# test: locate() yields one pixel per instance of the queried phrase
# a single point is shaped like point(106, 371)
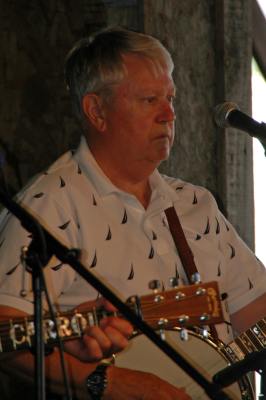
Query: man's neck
point(131, 183)
point(141, 190)
point(131, 179)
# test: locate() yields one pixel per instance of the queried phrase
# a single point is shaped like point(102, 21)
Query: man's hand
point(135, 385)
point(111, 336)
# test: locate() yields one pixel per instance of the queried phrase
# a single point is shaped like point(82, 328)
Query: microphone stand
point(71, 257)
point(252, 362)
point(39, 347)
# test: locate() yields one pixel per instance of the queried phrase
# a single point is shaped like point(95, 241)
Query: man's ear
point(93, 109)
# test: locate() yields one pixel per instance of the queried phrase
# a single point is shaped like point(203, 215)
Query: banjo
point(174, 310)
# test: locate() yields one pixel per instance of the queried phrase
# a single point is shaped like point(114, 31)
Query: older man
point(108, 199)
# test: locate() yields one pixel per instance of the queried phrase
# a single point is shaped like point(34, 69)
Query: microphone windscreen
point(221, 112)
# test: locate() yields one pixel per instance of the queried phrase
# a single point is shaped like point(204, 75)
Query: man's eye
point(171, 98)
point(150, 99)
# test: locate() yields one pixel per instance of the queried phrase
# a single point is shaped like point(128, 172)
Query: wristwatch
point(97, 382)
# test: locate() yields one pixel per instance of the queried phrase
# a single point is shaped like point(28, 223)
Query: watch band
point(97, 382)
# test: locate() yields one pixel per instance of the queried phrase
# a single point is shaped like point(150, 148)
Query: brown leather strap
point(185, 254)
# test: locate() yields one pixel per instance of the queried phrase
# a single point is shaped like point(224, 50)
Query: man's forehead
point(158, 86)
point(135, 62)
point(140, 70)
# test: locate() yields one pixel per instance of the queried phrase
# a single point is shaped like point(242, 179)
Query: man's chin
point(164, 153)
point(160, 157)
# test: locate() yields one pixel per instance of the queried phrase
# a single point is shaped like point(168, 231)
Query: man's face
point(140, 116)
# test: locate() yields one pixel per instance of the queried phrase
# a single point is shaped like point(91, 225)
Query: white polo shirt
point(124, 244)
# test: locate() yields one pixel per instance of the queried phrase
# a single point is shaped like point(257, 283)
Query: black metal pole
point(39, 359)
point(32, 260)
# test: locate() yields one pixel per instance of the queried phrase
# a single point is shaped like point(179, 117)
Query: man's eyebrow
point(149, 89)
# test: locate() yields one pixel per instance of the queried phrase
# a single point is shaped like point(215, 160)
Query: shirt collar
point(91, 168)
point(104, 186)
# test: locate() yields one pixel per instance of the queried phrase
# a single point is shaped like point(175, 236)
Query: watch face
point(97, 382)
point(96, 379)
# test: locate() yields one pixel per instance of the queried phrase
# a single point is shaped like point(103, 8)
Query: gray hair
point(95, 64)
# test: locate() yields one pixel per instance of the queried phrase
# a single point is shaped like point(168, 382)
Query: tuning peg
point(182, 319)
point(204, 317)
point(158, 298)
point(180, 295)
point(173, 282)
point(204, 331)
point(135, 302)
point(162, 334)
point(155, 285)
point(200, 291)
point(162, 323)
point(23, 252)
point(184, 334)
point(195, 278)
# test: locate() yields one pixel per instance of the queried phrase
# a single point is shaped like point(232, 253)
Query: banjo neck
point(184, 306)
point(254, 339)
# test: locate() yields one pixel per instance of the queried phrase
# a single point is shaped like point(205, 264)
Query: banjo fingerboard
point(254, 339)
point(19, 334)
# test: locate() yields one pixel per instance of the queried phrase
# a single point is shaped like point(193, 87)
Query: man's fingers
point(121, 325)
point(102, 339)
point(111, 335)
point(119, 342)
point(97, 342)
point(86, 349)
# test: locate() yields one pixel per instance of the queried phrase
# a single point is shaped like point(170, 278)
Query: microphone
point(252, 362)
point(228, 114)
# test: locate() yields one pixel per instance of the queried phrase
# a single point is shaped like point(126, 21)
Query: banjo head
point(207, 357)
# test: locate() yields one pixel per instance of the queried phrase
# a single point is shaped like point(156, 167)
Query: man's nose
point(167, 113)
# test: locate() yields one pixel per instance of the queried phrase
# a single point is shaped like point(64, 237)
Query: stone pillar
point(211, 45)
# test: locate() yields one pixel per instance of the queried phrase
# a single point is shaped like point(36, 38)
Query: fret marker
point(63, 326)
point(17, 334)
point(78, 323)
